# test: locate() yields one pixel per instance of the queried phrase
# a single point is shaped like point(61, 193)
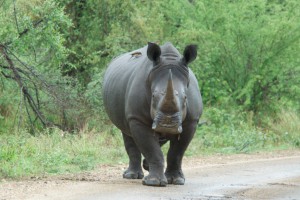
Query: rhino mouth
point(167, 123)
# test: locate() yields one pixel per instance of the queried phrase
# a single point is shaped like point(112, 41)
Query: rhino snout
point(170, 124)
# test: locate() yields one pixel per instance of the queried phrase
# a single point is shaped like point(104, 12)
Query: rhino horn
point(169, 101)
point(170, 89)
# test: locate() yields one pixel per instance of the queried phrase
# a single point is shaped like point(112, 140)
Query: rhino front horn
point(169, 103)
point(170, 88)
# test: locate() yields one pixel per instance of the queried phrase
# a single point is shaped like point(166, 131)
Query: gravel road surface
point(272, 175)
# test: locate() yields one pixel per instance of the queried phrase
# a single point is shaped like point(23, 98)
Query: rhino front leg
point(176, 151)
point(134, 171)
point(162, 141)
point(148, 144)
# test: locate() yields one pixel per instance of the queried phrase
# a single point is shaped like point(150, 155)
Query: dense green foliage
point(53, 54)
point(248, 51)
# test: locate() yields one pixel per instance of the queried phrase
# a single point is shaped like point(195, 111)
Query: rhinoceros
point(152, 96)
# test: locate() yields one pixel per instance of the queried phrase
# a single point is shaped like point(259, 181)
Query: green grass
point(235, 132)
point(55, 152)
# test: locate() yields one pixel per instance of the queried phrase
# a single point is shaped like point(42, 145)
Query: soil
point(272, 175)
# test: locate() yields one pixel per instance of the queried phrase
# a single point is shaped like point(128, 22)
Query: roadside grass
point(55, 152)
point(234, 132)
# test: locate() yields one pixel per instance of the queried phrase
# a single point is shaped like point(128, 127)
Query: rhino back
point(123, 74)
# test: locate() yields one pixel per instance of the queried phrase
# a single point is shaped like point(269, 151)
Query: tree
point(249, 52)
point(32, 52)
point(55, 51)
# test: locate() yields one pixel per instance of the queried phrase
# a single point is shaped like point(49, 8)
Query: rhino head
point(169, 80)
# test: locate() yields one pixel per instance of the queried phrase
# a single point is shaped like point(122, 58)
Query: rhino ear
point(153, 52)
point(189, 54)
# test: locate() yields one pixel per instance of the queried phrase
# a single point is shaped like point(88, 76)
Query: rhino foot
point(129, 174)
point(175, 177)
point(155, 181)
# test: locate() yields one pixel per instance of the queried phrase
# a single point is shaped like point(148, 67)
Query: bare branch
point(34, 26)
point(17, 78)
point(26, 30)
point(7, 76)
point(15, 15)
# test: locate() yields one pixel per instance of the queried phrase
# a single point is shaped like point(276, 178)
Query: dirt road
point(274, 175)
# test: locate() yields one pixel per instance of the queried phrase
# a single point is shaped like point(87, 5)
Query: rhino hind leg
point(145, 165)
point(134, 171)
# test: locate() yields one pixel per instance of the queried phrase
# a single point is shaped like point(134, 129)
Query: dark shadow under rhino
point(154, 98)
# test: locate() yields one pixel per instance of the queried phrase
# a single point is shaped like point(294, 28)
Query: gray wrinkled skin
point(153, 97)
